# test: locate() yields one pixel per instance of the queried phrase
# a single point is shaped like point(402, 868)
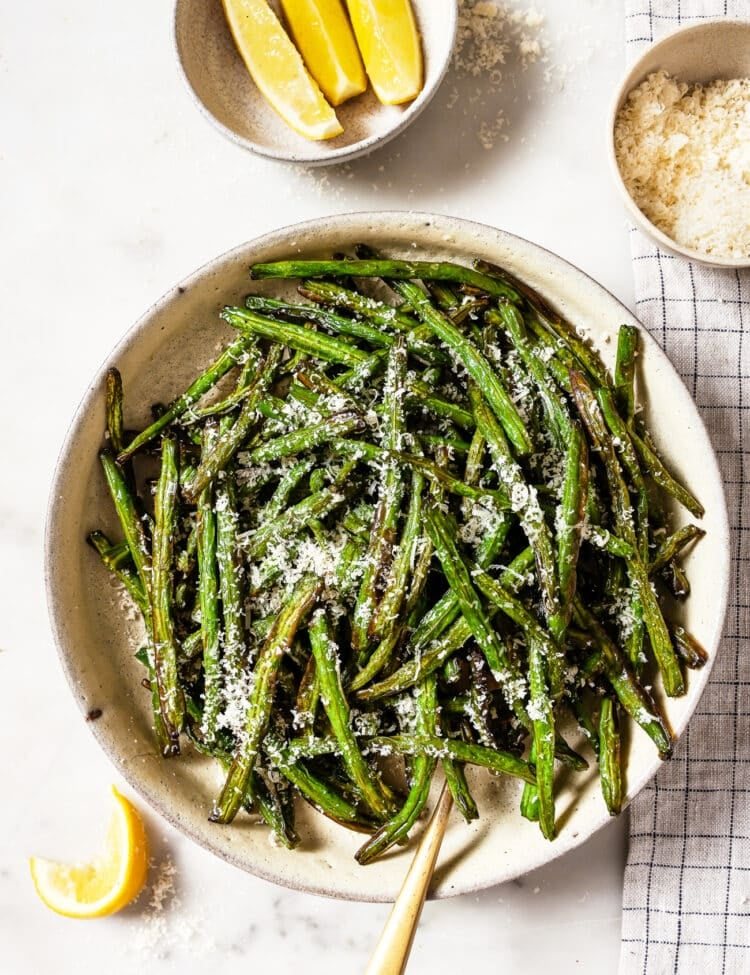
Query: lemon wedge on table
point(107, 884)
point(323, 35)
point(278, 70)
point(388, 39)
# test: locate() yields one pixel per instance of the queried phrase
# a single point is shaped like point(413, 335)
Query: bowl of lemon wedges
point(313, 81)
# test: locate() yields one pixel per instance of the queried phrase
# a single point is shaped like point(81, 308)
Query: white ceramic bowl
point(226, 94)
point(697, 54)
point(157, 358)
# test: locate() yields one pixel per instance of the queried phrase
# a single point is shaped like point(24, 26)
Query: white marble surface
point(112, 188)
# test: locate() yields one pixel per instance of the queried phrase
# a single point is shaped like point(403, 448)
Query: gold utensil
point(392, 951)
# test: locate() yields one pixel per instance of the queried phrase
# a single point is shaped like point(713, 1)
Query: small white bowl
point(223, 90)
point(697, 54)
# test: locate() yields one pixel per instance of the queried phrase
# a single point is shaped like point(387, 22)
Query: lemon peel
point(106, 884)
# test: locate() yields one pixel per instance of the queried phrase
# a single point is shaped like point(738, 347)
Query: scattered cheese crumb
point(491, 33)
point(165, 926)
point(162, 898)
point(492, 36)
point(684, 155)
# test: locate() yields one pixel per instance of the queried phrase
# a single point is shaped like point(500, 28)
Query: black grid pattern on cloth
point(686, 897)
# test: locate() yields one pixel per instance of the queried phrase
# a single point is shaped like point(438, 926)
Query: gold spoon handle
point(392, 951)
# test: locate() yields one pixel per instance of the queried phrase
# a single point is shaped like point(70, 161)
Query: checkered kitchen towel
point(686, 899)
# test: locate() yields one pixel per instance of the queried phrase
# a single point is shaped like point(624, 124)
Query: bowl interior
point(97, 635)
point(226, 93)
point(699, 53)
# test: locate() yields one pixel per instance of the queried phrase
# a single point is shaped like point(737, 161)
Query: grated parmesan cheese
point(684, 155)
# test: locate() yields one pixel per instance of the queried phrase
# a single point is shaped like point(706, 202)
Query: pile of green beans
point(408, 515)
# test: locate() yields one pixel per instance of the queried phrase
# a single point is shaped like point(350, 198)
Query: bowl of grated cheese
point(679, 142)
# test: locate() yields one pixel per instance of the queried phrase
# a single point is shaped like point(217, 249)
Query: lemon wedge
point(106, 884)
point(278, 70)
point(388, 40)
point(323, 35)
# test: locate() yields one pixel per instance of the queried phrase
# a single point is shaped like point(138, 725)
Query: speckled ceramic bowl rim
point(633, 76)
point(345, 153)
point(283, 236)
